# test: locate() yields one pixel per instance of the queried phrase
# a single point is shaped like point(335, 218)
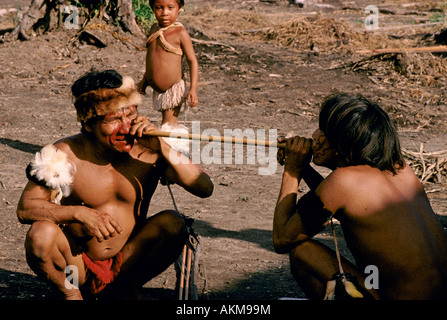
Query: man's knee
point(40, 238)
point(172, 224)
point(302, 258)
point(313, 258)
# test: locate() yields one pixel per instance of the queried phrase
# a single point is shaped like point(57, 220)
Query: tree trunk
point(127, 17)
point(39, 13)
point(28, 20)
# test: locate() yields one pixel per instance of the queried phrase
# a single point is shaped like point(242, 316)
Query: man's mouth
point(129, 139)
point(124, 142)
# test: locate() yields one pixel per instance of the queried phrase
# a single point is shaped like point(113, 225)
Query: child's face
point(166, 11)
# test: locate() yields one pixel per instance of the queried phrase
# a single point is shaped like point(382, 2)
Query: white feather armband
point(50, 168)
point(182, 145)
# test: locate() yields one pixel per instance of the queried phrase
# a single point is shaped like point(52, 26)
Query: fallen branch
point(404, 50)
point(212, 43)
point(427, 165)
point(426, 154)
point(405, 26)
point(418, 128)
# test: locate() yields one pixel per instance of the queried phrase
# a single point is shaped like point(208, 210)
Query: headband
point(105, 100)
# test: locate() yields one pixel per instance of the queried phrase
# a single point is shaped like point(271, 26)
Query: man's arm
point(192, 177)
point(312, 177)
point(180, 169)
point(35, 205)
point(287, 225)
point(288, 228)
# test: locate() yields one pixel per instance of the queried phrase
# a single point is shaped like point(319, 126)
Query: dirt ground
point(263, 65)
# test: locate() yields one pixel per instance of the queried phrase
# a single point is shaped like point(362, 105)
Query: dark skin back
point(387, 221)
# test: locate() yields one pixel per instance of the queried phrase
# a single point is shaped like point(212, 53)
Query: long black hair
point(361, 132)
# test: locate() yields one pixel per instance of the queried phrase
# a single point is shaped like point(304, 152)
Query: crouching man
point(382, 207)
point(88, 196)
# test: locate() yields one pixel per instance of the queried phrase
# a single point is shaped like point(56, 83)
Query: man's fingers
point(141, 127)
point(110, 228)
point(116, 226)
point(98, 235)
point(140, 119)
point(105, 233)
point(289, 143)
point(300, 143)
point(134, 130)
point(105, 228)
point(140, 130)
point(308, 144)
point(111, 231)
point(292, 144)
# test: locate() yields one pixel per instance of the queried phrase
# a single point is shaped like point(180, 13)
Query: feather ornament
point(52, 169)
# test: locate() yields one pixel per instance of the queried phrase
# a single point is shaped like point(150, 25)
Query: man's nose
point(125, 126)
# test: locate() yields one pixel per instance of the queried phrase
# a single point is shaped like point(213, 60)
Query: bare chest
point(112, 186)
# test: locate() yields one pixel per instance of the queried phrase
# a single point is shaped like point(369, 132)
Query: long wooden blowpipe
point(201, 137)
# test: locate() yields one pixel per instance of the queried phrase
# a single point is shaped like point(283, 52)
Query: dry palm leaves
point(423, 68)
point(302, 33)
point(413, 74)
point(328, 34)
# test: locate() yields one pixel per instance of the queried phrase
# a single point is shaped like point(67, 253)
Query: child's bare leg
point(170, 116)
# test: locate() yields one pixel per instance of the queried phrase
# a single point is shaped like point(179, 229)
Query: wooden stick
point(397, 50)
point(438, 170)
point(188, 271)
point(194, 269)
point(194, 136)
point(405, 26)
point(182, 273)
point(212, 43)
point(428, 154)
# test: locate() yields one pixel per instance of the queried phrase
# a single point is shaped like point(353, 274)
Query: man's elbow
point(283, 244)
point(25, 210)
point(206, 191)
point(280, 245)
point(21, 215)
point(203, 187)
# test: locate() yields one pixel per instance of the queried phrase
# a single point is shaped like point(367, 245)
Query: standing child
point(166, 45)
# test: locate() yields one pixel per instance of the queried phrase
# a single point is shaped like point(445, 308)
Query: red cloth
point(102, 272)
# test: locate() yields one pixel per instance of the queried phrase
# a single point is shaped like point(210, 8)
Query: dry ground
point(263, 65)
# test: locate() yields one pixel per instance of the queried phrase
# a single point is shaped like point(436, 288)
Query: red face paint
point(120, 138)
point(116, 127)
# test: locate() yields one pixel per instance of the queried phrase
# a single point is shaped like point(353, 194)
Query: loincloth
point(172, 98)
point(101, 273)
